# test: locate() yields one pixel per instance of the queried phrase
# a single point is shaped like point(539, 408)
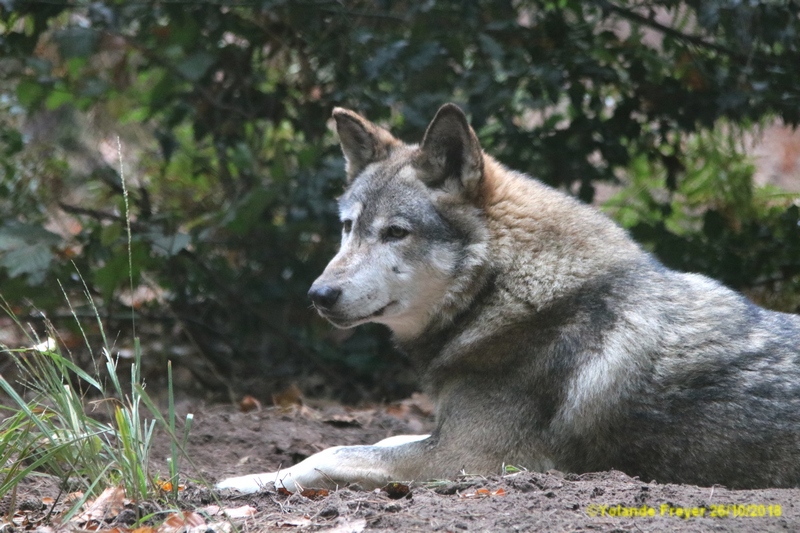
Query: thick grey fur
point(557, 342)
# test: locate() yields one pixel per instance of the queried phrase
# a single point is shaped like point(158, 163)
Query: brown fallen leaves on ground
point(483, 493)
point(104, 513)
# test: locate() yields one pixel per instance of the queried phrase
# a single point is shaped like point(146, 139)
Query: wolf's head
point(414, 241)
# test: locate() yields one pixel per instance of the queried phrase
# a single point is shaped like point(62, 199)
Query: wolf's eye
point(395, 233)
point(347, 225)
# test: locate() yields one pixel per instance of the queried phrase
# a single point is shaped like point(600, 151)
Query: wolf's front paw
point(248, 484)
point(317, 471)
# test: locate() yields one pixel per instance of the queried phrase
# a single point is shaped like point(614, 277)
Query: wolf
point(546, 336)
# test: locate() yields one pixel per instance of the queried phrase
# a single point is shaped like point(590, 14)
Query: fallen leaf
point(288, 398)
point(249, 403)
point(166, 486)
point(179, 521)
point(482, 493)
point(104, 508)
point(314, 494)
point(283, 492)
point(73, 497)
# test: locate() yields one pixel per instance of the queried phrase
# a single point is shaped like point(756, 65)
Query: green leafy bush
point(715, 220)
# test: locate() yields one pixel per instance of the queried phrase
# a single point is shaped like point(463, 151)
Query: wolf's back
point(711, 389)
point(615, 361)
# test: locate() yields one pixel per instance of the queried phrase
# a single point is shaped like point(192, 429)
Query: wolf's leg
point(394, 458)
point(400, 439)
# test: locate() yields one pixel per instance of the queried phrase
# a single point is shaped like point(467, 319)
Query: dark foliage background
point(223, 107)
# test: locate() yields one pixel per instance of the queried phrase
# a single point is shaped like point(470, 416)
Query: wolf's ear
point(362, 141)
point(451, 151)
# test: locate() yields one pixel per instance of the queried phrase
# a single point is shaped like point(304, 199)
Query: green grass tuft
point(48, 430)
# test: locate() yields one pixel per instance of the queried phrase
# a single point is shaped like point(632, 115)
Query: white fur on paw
point(397, 440)
point(312, 473)
point(248, 484)
point(309, 473)
point(327, 469)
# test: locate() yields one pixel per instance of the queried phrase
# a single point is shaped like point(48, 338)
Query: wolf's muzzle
point(324, 296)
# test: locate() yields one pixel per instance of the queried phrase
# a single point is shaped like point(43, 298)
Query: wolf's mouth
point(380, 311)
point(347, 322)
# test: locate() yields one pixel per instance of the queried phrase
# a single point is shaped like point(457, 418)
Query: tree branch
point(96, 214)
point(632, 16)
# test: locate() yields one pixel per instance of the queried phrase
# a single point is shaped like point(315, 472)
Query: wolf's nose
point(324, 296)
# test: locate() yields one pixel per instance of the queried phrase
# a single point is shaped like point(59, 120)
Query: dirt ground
point(227, 442)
